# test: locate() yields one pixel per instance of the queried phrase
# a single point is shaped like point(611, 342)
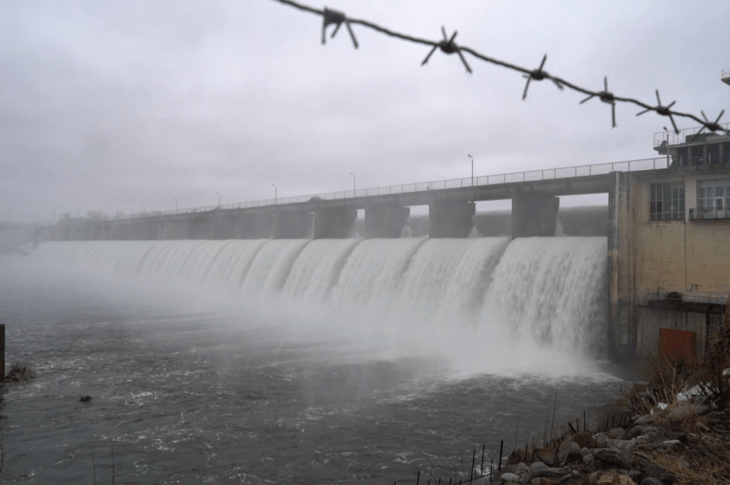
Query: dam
point(665, 247)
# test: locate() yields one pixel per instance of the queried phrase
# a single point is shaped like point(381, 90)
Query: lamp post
point(472, 169)
point(219, 199)
point(275, 197)
point(665, 129)
point(354, 188)
point(175, 204)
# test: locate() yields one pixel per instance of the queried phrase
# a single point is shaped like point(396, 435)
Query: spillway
point(549, 289)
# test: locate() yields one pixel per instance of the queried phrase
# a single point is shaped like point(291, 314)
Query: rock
point(85, 399)
point(651, 481)
point(509, 478)
point(642, 420)
point(611, 458)
point(549, 472)
point(600, 439)
point(19, 373)
point(636, 431)
point(516, 457)
point(572, 455)
point(542, 481)
point(521, 469)
point(612, 477)
point(584, 439)
point(635, 475)
point(625, 445)
point(548, 456)
point(616, 433)
point(671, 444)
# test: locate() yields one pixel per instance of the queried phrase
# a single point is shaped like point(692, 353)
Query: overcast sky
point(124, 105)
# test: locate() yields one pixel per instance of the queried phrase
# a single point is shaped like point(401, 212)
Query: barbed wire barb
point(538, 75)
point(337, 18)
point(448, 46)
point(713, 126)
point(662, 110)
point(607, 97)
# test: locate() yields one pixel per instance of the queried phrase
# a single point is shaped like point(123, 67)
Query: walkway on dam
point(576, 180)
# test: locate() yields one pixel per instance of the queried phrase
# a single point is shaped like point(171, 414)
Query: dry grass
point(706, 459)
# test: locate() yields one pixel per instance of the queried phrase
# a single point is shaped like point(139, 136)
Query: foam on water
point(421, 294)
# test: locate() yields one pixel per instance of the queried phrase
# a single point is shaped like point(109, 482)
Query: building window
point(666, 202)
point(713, 198)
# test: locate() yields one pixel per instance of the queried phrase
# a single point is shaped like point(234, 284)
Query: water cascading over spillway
point(549, 289)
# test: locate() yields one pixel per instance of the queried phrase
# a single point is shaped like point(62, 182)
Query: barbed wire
point(448, 46)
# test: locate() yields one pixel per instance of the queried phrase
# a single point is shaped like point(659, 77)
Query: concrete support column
point(334, 222)
point(534, 215)
point(290, 224)
point(385, 220)
point(254, 225)
point(199, 226)
point(175, 228)
point(450, 218)
point(622, 313)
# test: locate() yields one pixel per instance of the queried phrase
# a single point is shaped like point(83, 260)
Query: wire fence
point(448, 46)
point(479, 181)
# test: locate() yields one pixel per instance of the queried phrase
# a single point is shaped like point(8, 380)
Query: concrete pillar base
point(385, 220)
point(450, 218)
point(290, 225)
point(534, 215)
point(334, 223)
point(256, 225)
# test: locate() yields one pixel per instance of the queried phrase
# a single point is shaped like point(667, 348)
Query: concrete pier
point(534, 215)
point(385, 220)
point(254, 225)
point(450, 218)
point(334, 222)
point(290, 224)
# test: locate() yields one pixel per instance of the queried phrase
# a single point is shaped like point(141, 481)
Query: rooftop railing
point(685, 135)
point(483, 180)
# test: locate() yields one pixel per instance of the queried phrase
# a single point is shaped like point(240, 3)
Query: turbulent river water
point(296, 361)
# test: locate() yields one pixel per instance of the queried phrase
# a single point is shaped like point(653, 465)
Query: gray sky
point(119, 105)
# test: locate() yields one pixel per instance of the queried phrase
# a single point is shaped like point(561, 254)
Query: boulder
point(611, 477)
point(19, 373)
point(572, 455)
point(616, 433)
point(584, 439)
point(608, 458)
point(509, 478)
point(548, 456)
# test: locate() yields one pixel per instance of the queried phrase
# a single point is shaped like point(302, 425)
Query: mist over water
point(329, 331)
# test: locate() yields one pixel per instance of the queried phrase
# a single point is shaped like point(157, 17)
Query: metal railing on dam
point(482, 180)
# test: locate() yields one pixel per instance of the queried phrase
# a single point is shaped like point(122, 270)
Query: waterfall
point(549, 289)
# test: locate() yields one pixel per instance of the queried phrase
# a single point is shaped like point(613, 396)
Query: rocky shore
point(678, 443)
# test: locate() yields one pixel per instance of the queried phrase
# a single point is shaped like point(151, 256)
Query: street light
point(219, 199)
point(354, 189)
point(275, 197)
point(472, 169)
point(175, 204)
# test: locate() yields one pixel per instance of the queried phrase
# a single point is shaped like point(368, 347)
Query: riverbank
point(673, 428)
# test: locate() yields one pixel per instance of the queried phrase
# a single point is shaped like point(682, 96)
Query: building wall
point(691, 257)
